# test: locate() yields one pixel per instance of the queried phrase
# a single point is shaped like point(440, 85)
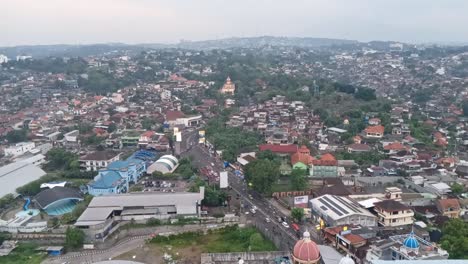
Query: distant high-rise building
point(3, 59)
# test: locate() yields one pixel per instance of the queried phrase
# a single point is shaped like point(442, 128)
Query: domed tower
point(306, 251)
point(411, 243)
point(346, 260)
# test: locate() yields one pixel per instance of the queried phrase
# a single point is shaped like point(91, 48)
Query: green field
point(229, 239)
point(24, 254)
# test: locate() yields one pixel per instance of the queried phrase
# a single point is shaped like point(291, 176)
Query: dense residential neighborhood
point(343, 153)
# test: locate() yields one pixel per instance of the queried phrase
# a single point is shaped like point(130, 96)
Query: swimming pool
point(29, 212)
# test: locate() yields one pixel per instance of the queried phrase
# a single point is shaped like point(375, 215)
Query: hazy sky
point(148, 21)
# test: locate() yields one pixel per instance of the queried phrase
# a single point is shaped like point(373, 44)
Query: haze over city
point(29, 22)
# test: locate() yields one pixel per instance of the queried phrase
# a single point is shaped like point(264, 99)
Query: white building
point(165, 164)
point(104, 212)
point(340, 210)
point(19, 149)
point(23, 57)
point(98, 160)
point(71, 136)
point(3, 59)
point(165, 95)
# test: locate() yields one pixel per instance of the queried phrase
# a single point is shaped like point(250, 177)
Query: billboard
point(223, 180)
point(301, 201)
point(201, 140)
point(201, 133)
point(178, 136)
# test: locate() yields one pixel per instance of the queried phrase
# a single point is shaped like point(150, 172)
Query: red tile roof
point(284, 149)
point(395, 146)
point(326, 160)
point(375, 129)
point(173, 115)
point(445, 204)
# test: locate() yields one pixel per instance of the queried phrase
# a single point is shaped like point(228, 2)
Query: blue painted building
point(108, 182)
point(119, 174)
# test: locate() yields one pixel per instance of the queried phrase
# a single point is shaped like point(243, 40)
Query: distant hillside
point(38, 51)
point(254, 42)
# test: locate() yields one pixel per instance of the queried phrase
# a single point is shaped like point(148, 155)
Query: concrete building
point(19, 149)
point(404, 247)
point(338, 210)
point(98, 160)
point(449, 207)
point(108, 182)
point(105, 212)
point(393, 213)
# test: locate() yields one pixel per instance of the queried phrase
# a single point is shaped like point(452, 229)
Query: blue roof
point(119, 164)
point(411, 241)
point(143, 155)
point(106, 179)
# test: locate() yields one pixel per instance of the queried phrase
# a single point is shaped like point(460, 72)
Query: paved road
point(249, 198)
point(99, 255)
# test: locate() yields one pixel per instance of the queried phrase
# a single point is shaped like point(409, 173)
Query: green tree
point(455, 239)
point(74, 238)
point(465, 108)
point(298, 180)
point(297, 214)
point(59, 158)
point(267, 154)
point(457, 188)
point(16, 136)
point(261, 174)
point(365, 94)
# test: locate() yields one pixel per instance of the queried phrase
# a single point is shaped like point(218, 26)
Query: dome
point(306, 251)
point(411, 242)
point(346, 260)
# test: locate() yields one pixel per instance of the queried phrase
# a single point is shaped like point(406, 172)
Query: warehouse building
point(338, 210)
point(18, 174)
point(105, 212)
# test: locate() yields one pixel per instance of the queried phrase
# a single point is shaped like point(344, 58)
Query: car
point(246, 212)
point(254, 207)
point(280, 220)
point(267, 220)
point(253, 211)
point(285, 224)
point(250, 196)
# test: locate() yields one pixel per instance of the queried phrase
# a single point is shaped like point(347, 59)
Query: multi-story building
point(449, 207)
point(19, 149)
point(393, 213)
point(98, 160)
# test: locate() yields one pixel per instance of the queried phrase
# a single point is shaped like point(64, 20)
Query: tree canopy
point(455, 239)
point(298, 179)
point(60, 159)
point(261, 174)
point(74, 238)
point(297, 214)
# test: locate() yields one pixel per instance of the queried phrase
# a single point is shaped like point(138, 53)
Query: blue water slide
point(26, 204)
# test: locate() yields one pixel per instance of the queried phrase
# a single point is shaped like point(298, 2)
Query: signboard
point(301, 201)
point(178, 136)
point(201, 133)
point(201, 141)
point(223, 179)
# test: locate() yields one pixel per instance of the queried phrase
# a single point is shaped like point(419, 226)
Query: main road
point(201, 157)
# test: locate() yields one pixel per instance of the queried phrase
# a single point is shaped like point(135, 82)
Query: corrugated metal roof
point(17, 174)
